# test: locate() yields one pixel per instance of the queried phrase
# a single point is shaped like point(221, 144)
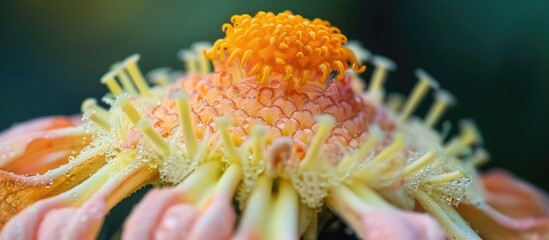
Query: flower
point(284, 129)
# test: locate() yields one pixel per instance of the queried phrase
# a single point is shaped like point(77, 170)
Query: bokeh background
point(492, 55)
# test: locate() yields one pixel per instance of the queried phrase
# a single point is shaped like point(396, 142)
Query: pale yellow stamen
point(443, 100)
point(223, 124)
point(258, 139)
point(383, 65)
point(347, 204)
point(135, 73)
point(160, 77)
point(469, 135)
point(284, 214)
point(229, 180)
point(129, 110)
point(369, 172)
point(326, 123)
point(145, 126)
point(202, 178)
point(97, 119)
point(395, 101)
point(85, 190)
point(205, 149)
point(454, 226)
point(203, 63)
point(396, 146)
point(139, 176)
point(189, 59)
point(258, 206)
point(418, 164)
point(124, 79)
point(350, 161)
point(445, 177)
point(90, 104)
point(109, 80)
point(185, 121)
point(368, 195)
point(425, 82)
point(481, 157)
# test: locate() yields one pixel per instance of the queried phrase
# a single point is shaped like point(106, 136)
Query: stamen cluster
point(298, 48)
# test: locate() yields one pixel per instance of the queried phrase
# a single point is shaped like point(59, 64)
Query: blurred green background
point(492, 55)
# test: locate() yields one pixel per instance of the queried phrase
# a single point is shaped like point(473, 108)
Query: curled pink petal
point(39, 124)
point(513, 196)
point(142, 222)
point(382, 224)
point(86, 221)
point(51, 227)
point(177, 222)
point(491, 224)
point(26, 224)
point(514, 209)
point(54, 218)
point(218, 215)
point(40, 145)
point(74, 223)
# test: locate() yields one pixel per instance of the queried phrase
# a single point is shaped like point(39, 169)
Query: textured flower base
point(280, 136)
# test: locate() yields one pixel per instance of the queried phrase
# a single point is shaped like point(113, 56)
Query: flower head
point(282, 127)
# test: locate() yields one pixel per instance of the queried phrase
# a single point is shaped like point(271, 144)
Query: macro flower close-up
point(283, 128)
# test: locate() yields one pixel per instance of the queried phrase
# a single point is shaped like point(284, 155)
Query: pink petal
point(383, 224)
point(491, 224)
point(39, 124)
point(26, 224)
point(513, 196)
point(142, 222)
point(218, 215)
point(51, 228)
point(74, 223)
point(177, 222)
point(20, 191)
point(53, 218)
point(514, 209)
point(40, 145)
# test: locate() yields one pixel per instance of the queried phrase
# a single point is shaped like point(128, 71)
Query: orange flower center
point(302, 50)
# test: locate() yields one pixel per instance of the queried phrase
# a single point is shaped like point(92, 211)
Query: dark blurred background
point(492, 55)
